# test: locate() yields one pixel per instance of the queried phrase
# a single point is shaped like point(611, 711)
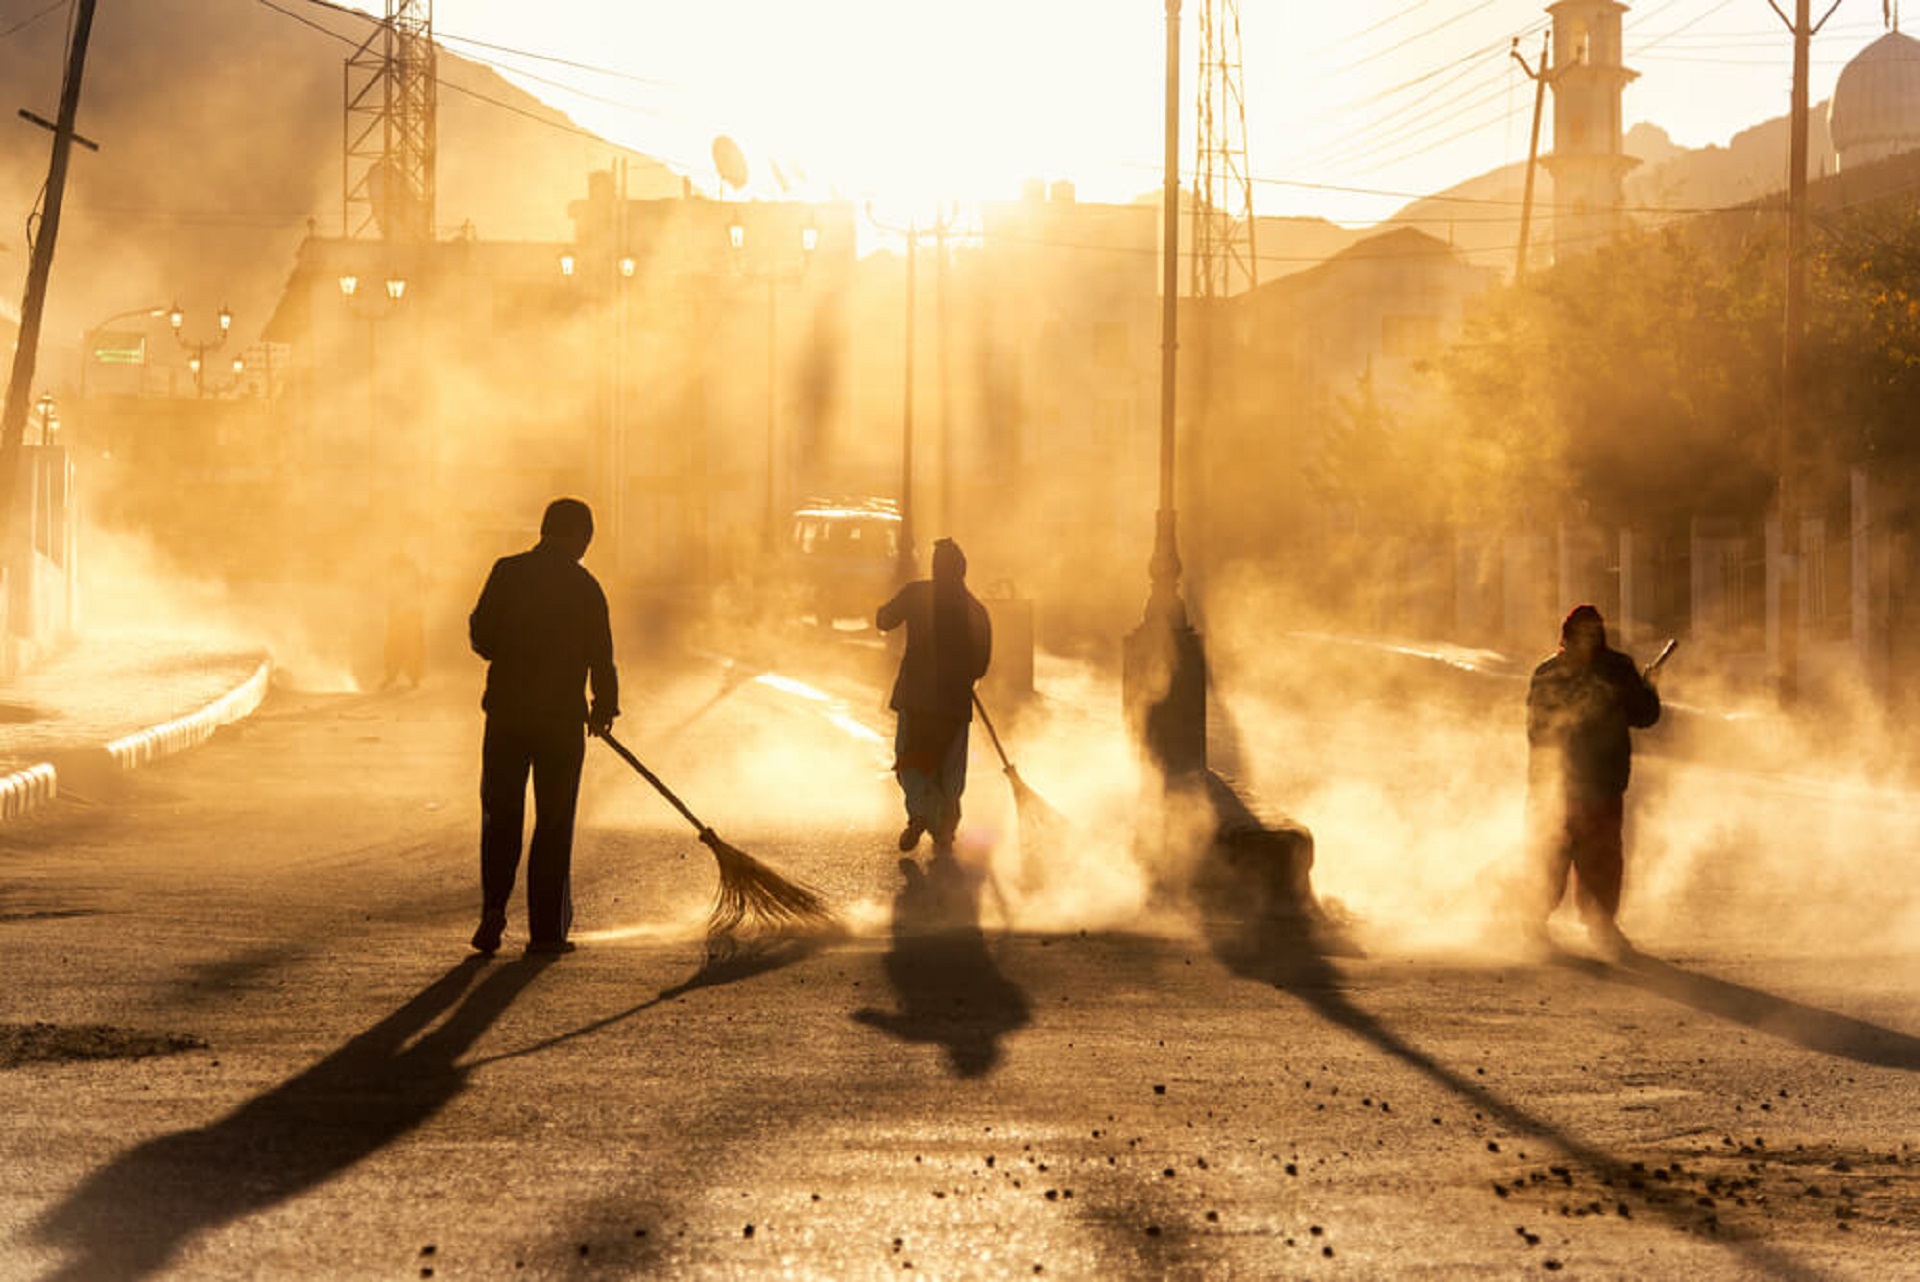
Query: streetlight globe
point(193, 363)
point(396, 287)
point(176, 317)
point(737, 235)
point(566, 264)
point(226, 320)
point(239, 365)
point(627, 266)
point(348, 284)
point(809, 238)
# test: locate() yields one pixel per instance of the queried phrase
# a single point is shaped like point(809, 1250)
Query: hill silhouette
point(1481, 216)
point(219, 124)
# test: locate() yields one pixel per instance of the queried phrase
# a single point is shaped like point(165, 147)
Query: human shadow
point(1810, 1027)
point(747, 959)
point(1287, 952)
point(129, 1218)
point(950, 991)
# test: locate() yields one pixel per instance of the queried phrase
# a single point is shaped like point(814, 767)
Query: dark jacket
point(949, 644)
point(1578, 718)
point(541, 625)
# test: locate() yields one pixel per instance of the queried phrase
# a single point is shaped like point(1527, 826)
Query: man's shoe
point(550, 946)
point(1609, 942)
point(910, 835)
point(486, 939)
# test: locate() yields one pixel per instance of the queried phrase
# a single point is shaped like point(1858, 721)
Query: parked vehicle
point(845, 558)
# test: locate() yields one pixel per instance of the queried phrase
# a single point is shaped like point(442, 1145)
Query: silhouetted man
point(1581, 704)
point(949, 644)
point(541, 625)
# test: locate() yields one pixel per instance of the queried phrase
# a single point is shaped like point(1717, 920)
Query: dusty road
point(244, 1039)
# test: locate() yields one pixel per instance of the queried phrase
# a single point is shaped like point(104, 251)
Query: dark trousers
point(1588, 841)
point(552, 753)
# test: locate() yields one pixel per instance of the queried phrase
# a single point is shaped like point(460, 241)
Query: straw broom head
point(753, 899)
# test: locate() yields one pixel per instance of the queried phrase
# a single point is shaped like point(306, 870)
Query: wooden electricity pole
point(1793, 354)
point(13, 420)
point(1541, 76)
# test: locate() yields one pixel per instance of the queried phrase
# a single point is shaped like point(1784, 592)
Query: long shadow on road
point(1286, 954)
point(951, 992)
point(750, 958)
point(1806, 1026)
point(129, 1218)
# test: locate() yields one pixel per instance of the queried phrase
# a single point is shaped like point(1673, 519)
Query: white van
point(845, 557)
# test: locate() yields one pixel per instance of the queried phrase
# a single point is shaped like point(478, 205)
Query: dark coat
point(1578, 718)
point(949, 644)
point(541, 625)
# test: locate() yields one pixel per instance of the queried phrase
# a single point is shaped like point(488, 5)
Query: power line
point(1418, 36)
point(24, 23)
point(561, 126)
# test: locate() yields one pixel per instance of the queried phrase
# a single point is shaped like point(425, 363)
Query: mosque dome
point(1875, 110)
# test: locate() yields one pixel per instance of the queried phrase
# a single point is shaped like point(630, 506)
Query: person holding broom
point(541, 624)
point(949, 644)
point(1581, 704)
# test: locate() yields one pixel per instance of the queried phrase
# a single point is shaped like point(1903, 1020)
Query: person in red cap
point(1581, 705)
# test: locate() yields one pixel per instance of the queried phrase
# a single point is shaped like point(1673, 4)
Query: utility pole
point(1164, 674)
point(905, 562)
point(1793, 354)
point(13, 421)
point(1541, 77)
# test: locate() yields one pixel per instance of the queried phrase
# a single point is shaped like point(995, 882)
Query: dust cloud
point(126, 585)
point(1379, 543)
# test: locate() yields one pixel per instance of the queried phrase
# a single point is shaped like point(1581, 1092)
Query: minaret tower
point(1588, 164)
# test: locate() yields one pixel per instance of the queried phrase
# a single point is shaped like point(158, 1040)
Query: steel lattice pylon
point(1223, 239)
point(387, 171)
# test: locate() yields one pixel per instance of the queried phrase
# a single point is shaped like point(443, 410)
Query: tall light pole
point(177, 320)
point(770, 273)
point(373, 312)
point(49, 417)
point(913, 231)
point(1164, 679)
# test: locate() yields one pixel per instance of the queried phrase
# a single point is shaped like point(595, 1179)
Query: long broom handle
point(988, 722)
point(1653, 669)
point(654, 779)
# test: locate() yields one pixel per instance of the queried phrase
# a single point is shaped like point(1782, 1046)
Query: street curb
point(28, 789)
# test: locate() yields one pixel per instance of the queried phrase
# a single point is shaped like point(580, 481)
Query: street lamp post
point(771, 274)
point(1164, 681)
point(177, 320)
point(912, 231)
point(49, 417)
point(372, 313)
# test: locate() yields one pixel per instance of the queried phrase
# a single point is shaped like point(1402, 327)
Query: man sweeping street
point(541, 624)
point(949, 644)
point(1581, 705)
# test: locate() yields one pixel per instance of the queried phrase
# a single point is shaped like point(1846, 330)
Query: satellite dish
point(730, 161)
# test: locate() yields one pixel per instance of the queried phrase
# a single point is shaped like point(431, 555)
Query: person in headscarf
point(1581, 705)
point(949, 645)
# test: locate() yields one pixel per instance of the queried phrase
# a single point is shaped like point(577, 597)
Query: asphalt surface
point(245, 1038)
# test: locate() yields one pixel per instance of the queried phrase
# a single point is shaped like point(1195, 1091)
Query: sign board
point(123, 347)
